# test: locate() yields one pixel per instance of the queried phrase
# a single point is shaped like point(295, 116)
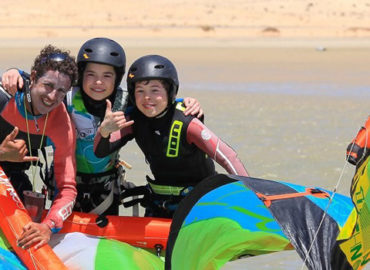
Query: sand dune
point(183, 22)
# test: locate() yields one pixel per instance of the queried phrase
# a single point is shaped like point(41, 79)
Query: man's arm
point(63, 136)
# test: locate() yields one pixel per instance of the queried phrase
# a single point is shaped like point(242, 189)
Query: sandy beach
point(186, 23)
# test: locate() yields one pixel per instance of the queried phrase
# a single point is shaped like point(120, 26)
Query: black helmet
point(102, 51)
point(151, 67)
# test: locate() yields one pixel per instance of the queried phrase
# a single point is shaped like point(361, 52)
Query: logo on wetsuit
point(174, 139)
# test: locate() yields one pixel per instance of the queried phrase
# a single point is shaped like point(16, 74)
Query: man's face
point(49, 91)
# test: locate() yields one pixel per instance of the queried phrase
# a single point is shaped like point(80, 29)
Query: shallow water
point(289, 113)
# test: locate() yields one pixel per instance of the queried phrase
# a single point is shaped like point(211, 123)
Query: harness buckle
point(164, 205)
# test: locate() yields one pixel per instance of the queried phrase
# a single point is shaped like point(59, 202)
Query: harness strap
point(166, 190)
point(134, 192)
point(95, 178)
point(267, 199)
point(104, 205)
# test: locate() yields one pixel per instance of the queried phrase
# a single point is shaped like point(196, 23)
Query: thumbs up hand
point(14, 150)
point(113, 121)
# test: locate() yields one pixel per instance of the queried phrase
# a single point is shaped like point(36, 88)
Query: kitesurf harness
point(96, 191)
point(160, 199)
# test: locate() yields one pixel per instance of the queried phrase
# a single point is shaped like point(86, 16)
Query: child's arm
point(103, 146)
point(12, 80)
point(215, 148)
point(114, 132)
point(113, 121)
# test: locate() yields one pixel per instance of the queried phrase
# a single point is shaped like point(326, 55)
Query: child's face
point(151, 97)
point(98, 80)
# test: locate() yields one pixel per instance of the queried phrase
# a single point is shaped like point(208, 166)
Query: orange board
point(144, 232)
point(13, 217)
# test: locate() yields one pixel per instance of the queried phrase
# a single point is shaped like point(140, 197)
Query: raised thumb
point(13, 134)
point(109, 106)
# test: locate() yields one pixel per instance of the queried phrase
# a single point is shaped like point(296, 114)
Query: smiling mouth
point(97, 90)
point(148, 106)
point(47, 103)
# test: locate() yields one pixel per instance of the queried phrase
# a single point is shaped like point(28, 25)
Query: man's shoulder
point(60, 127)
point(60, 113)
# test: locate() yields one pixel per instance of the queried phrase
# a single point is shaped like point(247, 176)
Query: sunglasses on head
point(57, 57)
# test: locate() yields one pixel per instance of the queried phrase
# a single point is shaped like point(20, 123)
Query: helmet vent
point(133, 69)
point(159, 66)
point(114, 54)
point(88, 50)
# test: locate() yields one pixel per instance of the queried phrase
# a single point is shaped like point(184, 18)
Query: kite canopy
point(226, 217)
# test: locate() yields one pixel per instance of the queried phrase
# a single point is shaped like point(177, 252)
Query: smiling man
point(35, 121)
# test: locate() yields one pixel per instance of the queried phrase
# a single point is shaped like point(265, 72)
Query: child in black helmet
point(101, 66)
point(178, 148)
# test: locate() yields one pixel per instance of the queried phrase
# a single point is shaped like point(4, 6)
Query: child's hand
point(113, 121)
point(192, 107)
point(11, 80)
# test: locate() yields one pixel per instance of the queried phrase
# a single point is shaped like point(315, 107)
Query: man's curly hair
point(52, 58)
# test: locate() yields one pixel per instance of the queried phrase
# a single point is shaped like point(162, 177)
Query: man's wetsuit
point(58, 141)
